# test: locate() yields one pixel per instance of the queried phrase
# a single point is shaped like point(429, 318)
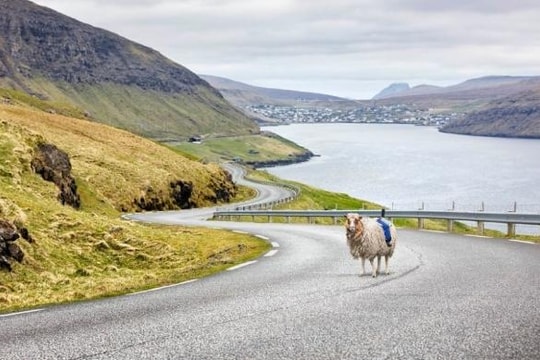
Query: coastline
point(306, 156)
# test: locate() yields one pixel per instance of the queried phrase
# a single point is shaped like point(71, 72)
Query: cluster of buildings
point(374, 113)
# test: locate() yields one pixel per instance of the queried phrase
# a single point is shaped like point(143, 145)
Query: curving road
point(447, 297)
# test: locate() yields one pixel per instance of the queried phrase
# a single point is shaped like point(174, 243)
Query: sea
point(407, 167)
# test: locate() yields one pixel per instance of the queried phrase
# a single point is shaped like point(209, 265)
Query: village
point(397, 114)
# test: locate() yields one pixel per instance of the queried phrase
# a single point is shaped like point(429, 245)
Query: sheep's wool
point(368, 241)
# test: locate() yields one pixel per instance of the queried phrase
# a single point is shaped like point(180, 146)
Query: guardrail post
point(480, 227)
point(420, 223)
point(450, 225)
point(511, 230)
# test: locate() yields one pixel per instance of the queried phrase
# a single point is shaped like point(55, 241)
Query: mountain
point(242, 94)
point(111, 79)
point(392, 90)
point(470, 91)
point(506, 106)
point(245, 97)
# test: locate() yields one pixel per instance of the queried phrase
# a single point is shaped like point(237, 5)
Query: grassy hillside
point(249, 149)
point(91, 252)
point(150, 113)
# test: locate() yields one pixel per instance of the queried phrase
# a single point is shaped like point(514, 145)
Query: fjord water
point(405, 166)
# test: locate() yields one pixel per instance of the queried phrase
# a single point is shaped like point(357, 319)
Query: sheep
point(366, 240)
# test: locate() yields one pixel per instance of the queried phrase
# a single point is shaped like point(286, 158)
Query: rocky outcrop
point(179, 195)
point(53, 165)
point(8, 248)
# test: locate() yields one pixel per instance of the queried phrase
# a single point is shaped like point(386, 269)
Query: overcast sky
point(349, 48)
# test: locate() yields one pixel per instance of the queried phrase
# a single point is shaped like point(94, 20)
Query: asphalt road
point(447, 297)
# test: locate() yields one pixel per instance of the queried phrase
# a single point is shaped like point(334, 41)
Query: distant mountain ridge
point(488, 106)
point(242, 94)
point(392, 90)
point(515, 115)
point(503, 106)
point(116, 81)
point(483, 87)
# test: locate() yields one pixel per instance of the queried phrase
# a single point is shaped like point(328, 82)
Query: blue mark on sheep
point(386, 229)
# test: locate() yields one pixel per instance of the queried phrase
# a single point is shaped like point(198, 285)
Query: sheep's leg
point(379, 261)
point(373, 268)
point(386, 260)
point(363, 266)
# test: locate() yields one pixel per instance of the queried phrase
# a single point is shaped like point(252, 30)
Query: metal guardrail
point(269, 204)
point(511, 219)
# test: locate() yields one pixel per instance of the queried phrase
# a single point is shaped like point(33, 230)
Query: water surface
point(405, 166)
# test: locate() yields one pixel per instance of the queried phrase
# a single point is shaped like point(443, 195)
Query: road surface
point(447, 297)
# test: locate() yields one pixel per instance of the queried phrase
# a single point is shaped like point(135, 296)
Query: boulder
point(53, 165)
point(8, 248)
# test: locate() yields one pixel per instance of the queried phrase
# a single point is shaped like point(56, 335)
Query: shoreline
point(272, 163)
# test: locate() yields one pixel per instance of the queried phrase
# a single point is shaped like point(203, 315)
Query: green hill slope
point(90, 252)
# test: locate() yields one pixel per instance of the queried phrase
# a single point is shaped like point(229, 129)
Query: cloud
point(344, 47)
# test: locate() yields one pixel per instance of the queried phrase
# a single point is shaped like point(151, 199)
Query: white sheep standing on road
point(366, 239)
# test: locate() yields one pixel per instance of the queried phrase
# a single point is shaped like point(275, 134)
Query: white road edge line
point(262, 237)
point(21, 313)
point(271, 253)
point(162, 287)
point(241, 265)
point(239, 232)
point(523, 241)
point(275, 244)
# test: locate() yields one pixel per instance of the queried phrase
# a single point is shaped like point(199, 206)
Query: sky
point(347, 48)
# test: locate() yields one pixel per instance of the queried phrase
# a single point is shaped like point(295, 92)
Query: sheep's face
point(353, 223)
